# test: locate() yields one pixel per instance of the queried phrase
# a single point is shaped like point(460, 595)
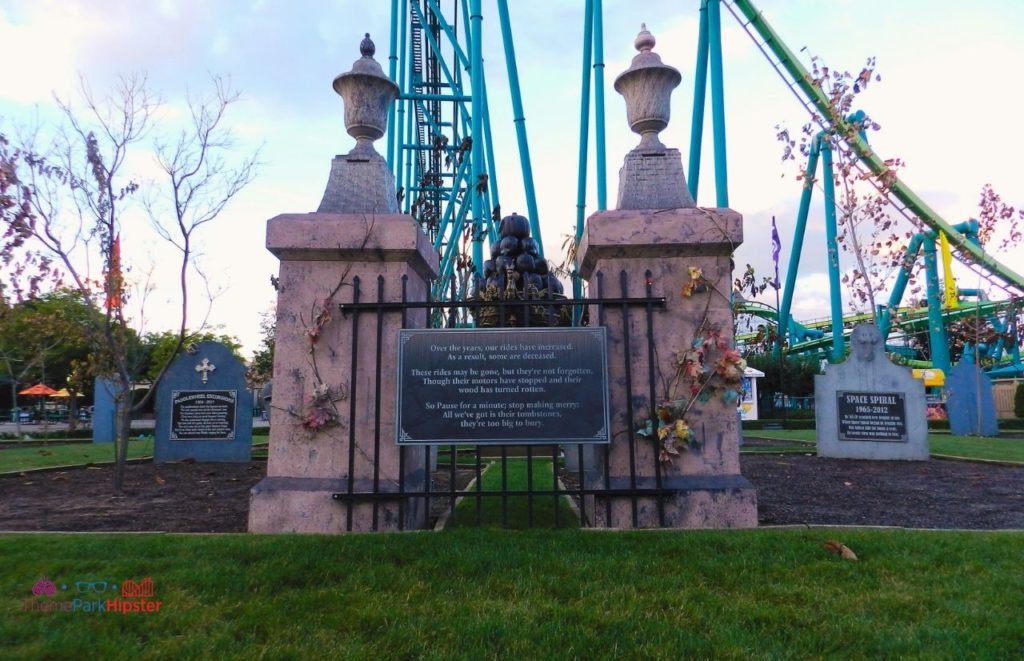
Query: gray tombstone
point(868, 408)
point(972, 411)
point(104, 408)
point(204, 408)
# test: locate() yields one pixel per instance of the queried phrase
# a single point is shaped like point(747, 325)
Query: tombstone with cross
point(204, 408)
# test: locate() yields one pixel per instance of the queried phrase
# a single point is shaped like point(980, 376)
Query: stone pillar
point(658, 229)
point(329, 368)
point(306, 466)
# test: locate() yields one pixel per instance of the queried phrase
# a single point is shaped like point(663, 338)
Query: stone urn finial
point(647, 87)
point(367, 94)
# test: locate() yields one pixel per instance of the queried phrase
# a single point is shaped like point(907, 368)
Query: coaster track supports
point(797, 245)
point(440, 144)
point(832, 246)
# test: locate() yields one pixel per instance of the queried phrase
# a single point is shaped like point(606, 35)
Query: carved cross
point(205, 368)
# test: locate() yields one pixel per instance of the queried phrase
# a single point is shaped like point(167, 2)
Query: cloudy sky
point(948, 105)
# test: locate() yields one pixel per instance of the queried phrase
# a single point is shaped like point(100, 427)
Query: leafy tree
point(795, 378)
point(261, 367)
point(160, 348)
point(68, 203)
point(41, 338)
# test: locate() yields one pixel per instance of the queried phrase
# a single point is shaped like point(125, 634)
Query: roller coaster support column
point(714, 15)
point(798, 244)
point(492, 182)
point(480, 175)
point(700, 85)
point(936, 328)
point(951, 296)
point(831, 232)
point(885, 319)
point(599, 156)
point(520, 122)
point(581, 182)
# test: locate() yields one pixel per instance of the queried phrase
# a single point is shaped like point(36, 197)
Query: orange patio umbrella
point(38, 389)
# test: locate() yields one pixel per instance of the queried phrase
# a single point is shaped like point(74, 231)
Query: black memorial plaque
point(871, 416)
point(490, 387)
point(203, 415)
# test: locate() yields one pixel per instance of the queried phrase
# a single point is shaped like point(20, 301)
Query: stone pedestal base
point(307, 505)
point(715, 501)
point(360, 182)
point(653, 179)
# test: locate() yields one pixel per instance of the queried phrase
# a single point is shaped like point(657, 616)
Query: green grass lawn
point(37, 456)
point(971, 447)
point(469, 594)
point(19, 459)
point(517, 514)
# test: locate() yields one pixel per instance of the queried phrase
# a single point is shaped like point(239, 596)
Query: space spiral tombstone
point(204, 408)
point(869, 408)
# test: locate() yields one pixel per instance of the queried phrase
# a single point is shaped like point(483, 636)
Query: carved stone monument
point(868, 408)
point(652, 174)
point(360, 181)
point(204, 408)
point(355, 236)
point(657, 236)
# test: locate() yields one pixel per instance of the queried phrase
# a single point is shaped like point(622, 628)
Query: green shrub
point(1018, 401)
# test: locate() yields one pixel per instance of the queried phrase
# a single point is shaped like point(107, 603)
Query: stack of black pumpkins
point(517, 272)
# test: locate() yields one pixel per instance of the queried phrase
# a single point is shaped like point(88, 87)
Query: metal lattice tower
point(439, 138)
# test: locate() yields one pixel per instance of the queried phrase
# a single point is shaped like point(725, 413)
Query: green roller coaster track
point(928, 216)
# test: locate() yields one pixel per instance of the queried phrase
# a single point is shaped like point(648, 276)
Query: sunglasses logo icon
point(85, 587)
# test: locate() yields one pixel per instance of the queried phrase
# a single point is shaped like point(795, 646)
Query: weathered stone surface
point(647, 86)
point(970, 404)
point(301, 237)
point(359, 182)
point(653, 179)
point(367, 94)
point(711, 491)
point(318, 252)
point(653, 234)
point(868, 370)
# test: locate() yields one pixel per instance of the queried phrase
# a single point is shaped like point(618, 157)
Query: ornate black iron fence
point(456, 473)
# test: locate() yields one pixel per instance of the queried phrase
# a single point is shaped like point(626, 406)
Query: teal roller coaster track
point(442, 154)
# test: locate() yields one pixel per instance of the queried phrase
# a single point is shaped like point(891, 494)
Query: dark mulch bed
point(792, 489)
point(797, 488)
point(176, 497)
